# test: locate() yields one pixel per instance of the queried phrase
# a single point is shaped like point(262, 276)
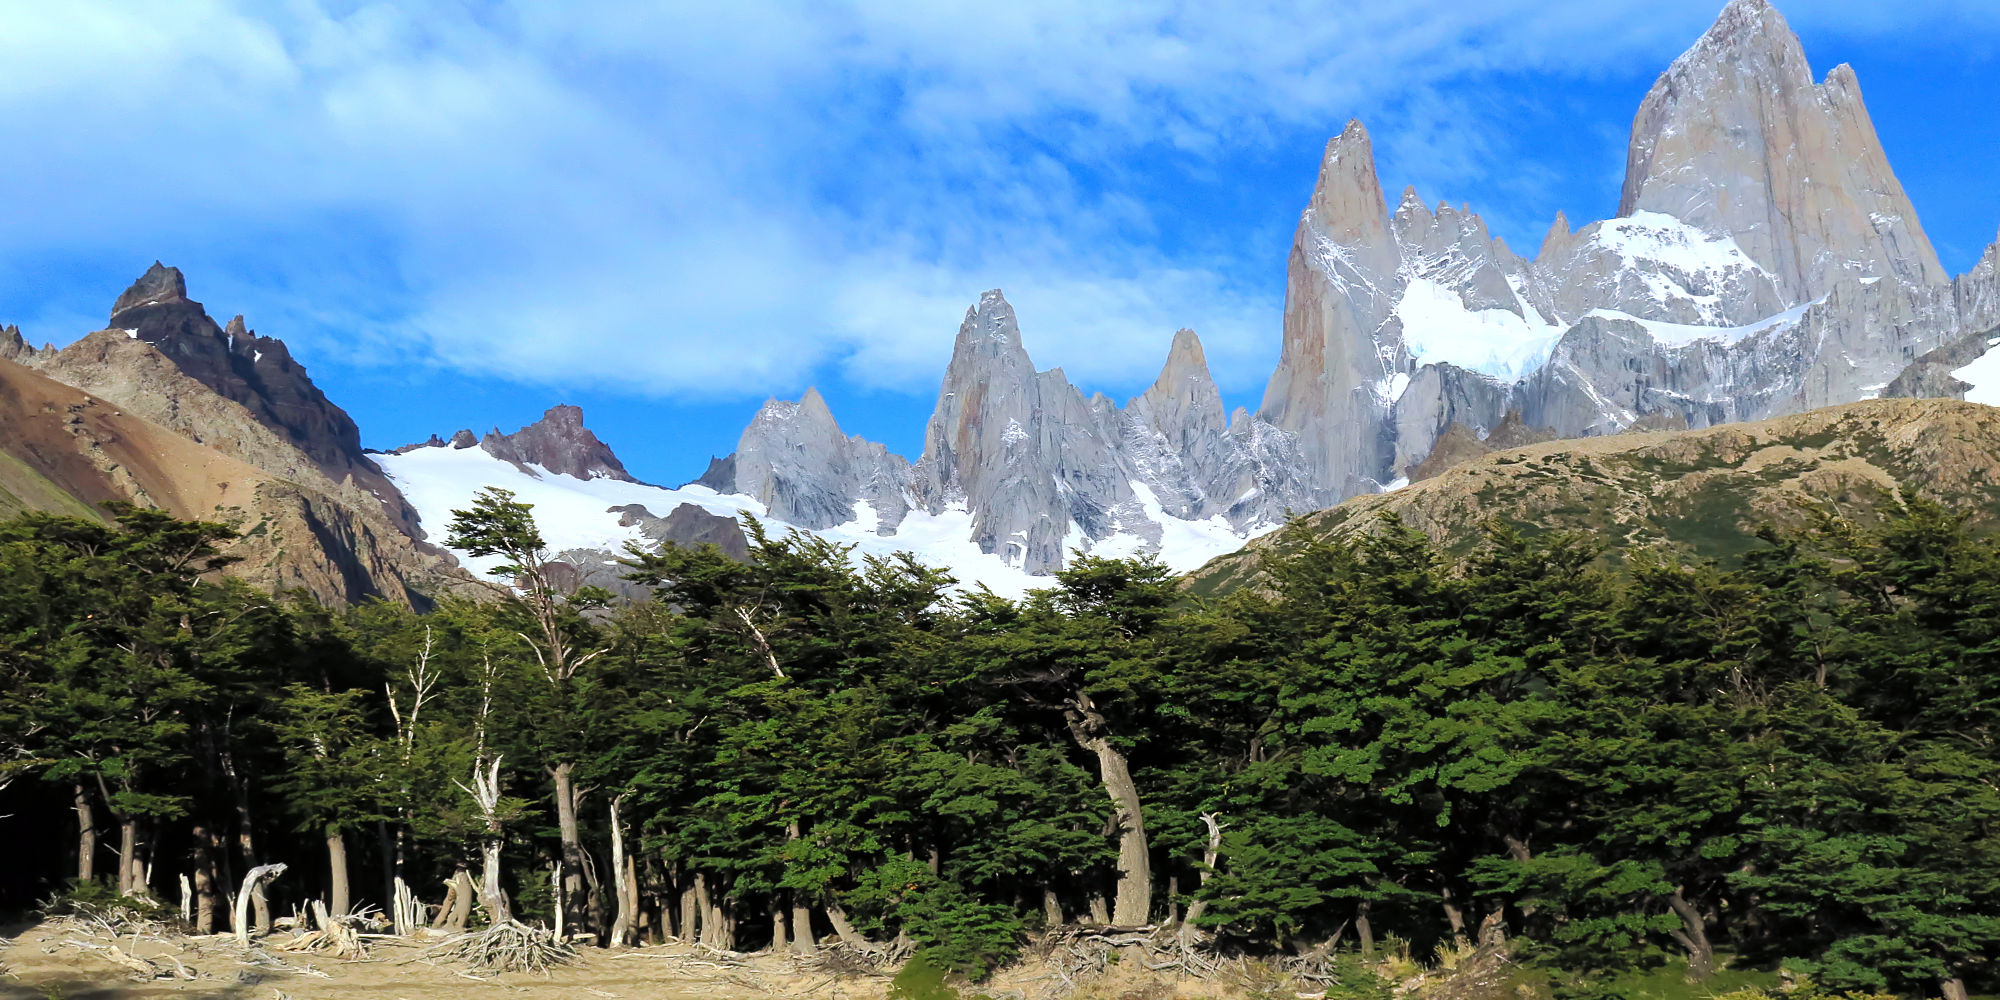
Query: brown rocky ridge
point(1701, 492)
point(66, 451)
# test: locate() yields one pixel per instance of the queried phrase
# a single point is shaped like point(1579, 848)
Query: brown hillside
point(1697, 491)
point(67, 451)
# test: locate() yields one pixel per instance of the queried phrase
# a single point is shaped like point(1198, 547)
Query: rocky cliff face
point(1765, 261)
point(1343, 343)
point(1035, 469)
point(1737, 140)
point(317, 513)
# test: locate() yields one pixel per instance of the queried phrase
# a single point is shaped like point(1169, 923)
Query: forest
point(1610, 759)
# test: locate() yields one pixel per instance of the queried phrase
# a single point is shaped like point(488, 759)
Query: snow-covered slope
point(578, 514)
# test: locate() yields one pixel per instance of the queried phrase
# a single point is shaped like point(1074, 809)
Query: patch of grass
point(1669, 981)
point(922, 980)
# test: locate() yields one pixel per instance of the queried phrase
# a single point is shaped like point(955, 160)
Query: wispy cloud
point(712, 199)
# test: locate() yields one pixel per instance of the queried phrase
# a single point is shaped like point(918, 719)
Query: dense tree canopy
point(1607, 758)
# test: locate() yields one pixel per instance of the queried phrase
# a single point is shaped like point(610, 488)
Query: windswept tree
point(561, 640)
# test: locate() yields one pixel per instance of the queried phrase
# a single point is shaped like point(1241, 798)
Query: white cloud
point(717, 198)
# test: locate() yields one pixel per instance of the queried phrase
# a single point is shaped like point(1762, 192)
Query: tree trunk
point(802, 919)
point(1134, 903)
point(86, 834)
point(779, 941)
point(843, 928)
point(391, 870)
point(711, 922)
point(1952, 989)
point(621, 928)
point(205, 894)
point(1453, 916)
point(492, 895)
point(1052, 913)
point(1365, 930)
point(573, 885)
point(692, 905)
point(246, 835)
point(130, 881)
point(1100, 912)
point(803, 940)
point(457, 909)
point(336, 863)
point(1693, 936)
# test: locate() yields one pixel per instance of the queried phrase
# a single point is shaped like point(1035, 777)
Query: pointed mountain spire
point(1736, 140)
point(1347, 201)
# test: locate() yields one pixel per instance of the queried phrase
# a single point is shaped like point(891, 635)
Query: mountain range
point(1764, 262)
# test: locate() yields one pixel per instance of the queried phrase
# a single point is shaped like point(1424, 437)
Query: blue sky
point(460, 213)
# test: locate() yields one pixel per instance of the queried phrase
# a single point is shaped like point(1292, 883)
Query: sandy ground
point(38, 963)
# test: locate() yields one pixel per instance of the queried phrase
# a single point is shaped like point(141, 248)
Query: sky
point(459, 213)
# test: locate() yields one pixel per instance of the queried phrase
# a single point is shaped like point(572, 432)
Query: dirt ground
point(39, 963)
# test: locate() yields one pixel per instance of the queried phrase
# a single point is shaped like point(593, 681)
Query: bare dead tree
point(1190, 934)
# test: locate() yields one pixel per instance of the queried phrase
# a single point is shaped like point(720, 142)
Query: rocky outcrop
point(1930, 376)
point(1023, 452)
point(796, 461)
point(15, 348)
point(688, 525)
point(558, 443)
point(255, 372)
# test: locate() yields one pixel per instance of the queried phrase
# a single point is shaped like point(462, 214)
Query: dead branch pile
point(841, 958)
point(112, 919)
point(339, 936)
point(1074, 955)
point(509, 946)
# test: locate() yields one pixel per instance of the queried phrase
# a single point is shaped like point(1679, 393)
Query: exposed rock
point(15, 348)
point(1765, 262)
point(690, 525)
point(1460, 444)
point(794, 459)
point(1342, 342)
point(1736, 140)
point(1440, 397)
point(1029, 458)
point(720, 475)
point(432, 442)
point(558, 443)
point(1930, 375)
point(1176, 434)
